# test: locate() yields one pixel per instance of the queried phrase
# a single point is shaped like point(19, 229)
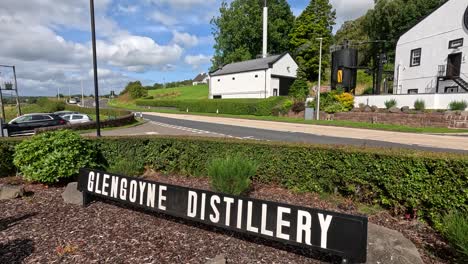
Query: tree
point(316, 21)
point(355, 32)
point(299, 89)
point(238, 30)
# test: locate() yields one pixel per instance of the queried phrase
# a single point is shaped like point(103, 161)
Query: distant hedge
point(259, 107)
point(103, 111)
point(431, 183)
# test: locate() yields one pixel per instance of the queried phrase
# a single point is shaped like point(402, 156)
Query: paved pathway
point(268, 130)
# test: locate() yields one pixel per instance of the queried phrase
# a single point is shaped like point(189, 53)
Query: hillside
point(181, 93)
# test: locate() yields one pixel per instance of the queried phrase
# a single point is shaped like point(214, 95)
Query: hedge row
point(259, 107)
point(7, 148)
point(432, 184)
point(114, 122)
point(103, 111)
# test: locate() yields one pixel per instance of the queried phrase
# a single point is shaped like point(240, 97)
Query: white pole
point(82, 93)
point(319, 80)
point(265, 30)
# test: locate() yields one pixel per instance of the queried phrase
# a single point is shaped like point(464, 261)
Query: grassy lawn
point(181, 93)
point(337, 123)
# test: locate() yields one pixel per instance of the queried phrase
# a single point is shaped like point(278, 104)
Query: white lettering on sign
point(151, 195)
point(202, 213)
point(123, 189)
point(161, 197)
point(324, 225)
point(239, 214)
point(142, 191)
point(90, 181)
point(215, 216)
point(97, 184)
point(304, 225)
point(114, 186)
point(133, 191)
point(192, 204)
point(280, 222)
point(263, 229)
point(229, 201)
point(249, 218)
point(105, 184)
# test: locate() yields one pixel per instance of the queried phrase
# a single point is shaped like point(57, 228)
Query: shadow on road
point(16, 251)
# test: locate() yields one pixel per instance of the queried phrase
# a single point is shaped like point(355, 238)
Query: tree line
point(238, 31)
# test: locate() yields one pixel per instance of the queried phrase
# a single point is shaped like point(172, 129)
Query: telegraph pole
point(96, 87)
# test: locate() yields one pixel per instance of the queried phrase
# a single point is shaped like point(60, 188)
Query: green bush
point(258, 107)
point(50, 106)
point(6, 159)
point(458, 106)
point(52, 156)
point(335, 108)
point(420, 105)
point(455, 230)
point(102, 111)
point(231, 175)
point(298, 106)
point(299, 89)
point(136, 91)
point(390, 103)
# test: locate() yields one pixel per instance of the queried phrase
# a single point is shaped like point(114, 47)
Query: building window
point(256, 75)
point(275, 92)
point(219, 80)
point(217, 97)
point(455, 44)
point(451, 89)
point(415, 57)
point(412, 91)
point(233, 78)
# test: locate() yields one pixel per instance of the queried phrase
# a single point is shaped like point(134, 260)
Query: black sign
point(335, 233)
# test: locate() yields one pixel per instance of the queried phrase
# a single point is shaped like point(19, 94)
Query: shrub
point(298, 106)
point(299, 89)
point(231, 175)
point(335, 108)
point(259, 107)
point(136, 92)
point(50, 106)
point(455, 230)
point(283, 108)
point(420, 105)
point(368, 91)
point(127, 166)
point(390, 103)
point(6, 159)
point(346, 100)
point(458, 106)
point(52, 156)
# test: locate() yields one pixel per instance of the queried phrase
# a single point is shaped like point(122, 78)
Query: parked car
point(77, 118)
point(26, 124)
point(62, 113)
point(72, 101)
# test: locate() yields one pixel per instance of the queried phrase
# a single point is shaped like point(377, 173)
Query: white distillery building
point(432, 56)
point(201, 78)
point(431, 60)
point(259, 78)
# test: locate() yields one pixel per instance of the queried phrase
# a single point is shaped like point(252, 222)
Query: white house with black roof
point(201, 78)
point(259, 78)
point(432, 56)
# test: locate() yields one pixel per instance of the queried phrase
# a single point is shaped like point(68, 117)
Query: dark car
point(26, 124)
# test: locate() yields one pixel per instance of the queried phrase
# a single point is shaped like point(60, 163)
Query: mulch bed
point(41, 228)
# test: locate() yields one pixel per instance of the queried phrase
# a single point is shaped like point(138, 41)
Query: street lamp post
point(96, 87)
point(319, 80)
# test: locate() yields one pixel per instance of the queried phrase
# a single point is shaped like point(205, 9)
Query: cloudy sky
point(148, 40)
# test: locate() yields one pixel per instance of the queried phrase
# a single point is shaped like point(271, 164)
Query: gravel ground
point(40, 228)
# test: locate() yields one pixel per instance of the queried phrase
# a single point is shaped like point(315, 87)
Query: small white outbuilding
point(431, 58)
point(259, 78)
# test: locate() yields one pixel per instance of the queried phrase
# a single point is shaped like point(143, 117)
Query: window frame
point(411, 91)
point(412, 57)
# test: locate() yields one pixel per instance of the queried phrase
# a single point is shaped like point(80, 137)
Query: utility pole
point(96, 87)
point(82, 93)
point(319, 80)
point(2, 106)
point(18, 105)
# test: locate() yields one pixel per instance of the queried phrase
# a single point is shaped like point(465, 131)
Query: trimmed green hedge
point(7, 148)
point(431, 183)
point(259, 107)
point(91, 111)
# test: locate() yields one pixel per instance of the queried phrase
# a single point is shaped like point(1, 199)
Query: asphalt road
point(269, 135)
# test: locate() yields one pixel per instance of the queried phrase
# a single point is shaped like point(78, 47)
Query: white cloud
point(128, 9)
point(164, 19)
point(184, 39)
point(349, 10)
point(136, 53)
point(197, 60)
point(183, 4)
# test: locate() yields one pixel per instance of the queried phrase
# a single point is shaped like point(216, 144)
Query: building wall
point(432, 35)
point(285, 67)
point(432, 101)
point(244, 85)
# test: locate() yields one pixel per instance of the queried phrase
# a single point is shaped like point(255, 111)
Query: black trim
point(412, 90)
point(412, 57)
point(466, 18)
point(216, 75)
point(451, 87)
point(455, 40)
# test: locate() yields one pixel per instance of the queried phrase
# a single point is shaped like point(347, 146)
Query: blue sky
point(147, 40)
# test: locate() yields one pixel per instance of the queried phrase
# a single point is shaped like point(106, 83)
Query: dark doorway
point(454, 65)
point(285, 84)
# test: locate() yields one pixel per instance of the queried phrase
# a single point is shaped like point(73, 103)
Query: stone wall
point(446, 120)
